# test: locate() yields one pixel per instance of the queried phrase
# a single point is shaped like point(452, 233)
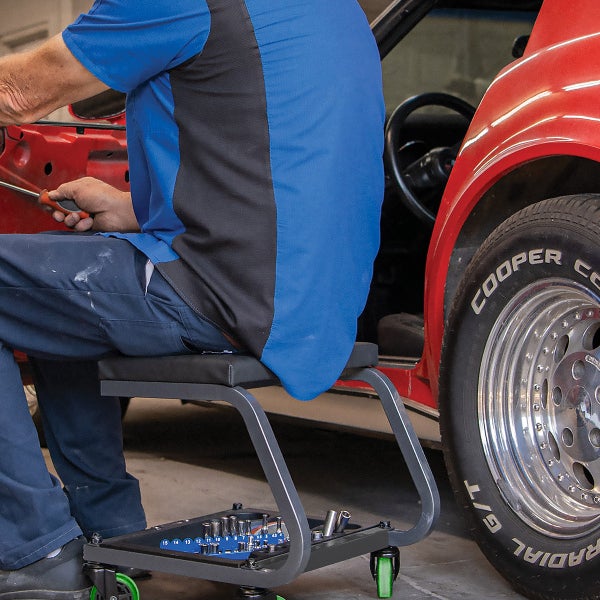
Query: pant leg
point(84, 436)
point(73, 298)
point(83, 297)
point(34, 514)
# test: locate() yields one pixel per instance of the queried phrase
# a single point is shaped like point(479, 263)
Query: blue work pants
point(66, 301)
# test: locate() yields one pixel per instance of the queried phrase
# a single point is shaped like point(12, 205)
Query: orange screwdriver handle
point(64, 206)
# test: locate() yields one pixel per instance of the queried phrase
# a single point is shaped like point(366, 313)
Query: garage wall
point(29, 21)
point(26, 23)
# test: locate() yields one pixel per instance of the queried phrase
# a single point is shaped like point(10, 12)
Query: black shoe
point(57, 578)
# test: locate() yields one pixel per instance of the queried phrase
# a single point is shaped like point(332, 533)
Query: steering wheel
point(417, 172)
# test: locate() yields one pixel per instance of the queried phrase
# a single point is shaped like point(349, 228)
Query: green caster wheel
point(254, 593)
point(126, 587)
point(384, 577)
point(385, 566)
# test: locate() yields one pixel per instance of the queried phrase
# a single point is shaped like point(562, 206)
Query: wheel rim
point(539, 407)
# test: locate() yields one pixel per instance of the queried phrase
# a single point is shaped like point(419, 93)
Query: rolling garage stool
point(256, 569)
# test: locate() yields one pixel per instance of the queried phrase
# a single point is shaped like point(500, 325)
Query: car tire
point(520, 398)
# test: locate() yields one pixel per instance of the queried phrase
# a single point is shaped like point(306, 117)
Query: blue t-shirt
point(255, 137)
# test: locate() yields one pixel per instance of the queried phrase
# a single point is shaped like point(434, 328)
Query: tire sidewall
point(533, 562)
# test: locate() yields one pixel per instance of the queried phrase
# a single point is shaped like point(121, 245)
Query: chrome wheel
point(539, 407)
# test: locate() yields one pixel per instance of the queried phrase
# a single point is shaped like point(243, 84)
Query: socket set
point(235, 538)
point(232, 537)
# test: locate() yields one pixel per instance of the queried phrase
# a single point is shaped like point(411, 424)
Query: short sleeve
point(125, 43)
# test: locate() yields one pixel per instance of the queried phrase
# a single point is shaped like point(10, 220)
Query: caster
point(253, 593)
point(384, 577)
point(385, 566)
point(126, 588)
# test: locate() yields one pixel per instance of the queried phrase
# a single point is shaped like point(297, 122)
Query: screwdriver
point(64, 206)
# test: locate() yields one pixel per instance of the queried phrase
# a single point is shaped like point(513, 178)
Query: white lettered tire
point(520, 398)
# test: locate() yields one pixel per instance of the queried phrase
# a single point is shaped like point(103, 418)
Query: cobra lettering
point(586, 270)
point(555, 560)
point(503, 271)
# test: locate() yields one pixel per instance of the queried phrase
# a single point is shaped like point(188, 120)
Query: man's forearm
point(15, 103)
point(34, 83)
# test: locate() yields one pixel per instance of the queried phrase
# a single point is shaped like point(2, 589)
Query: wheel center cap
point(579, 400)
point(576, 406)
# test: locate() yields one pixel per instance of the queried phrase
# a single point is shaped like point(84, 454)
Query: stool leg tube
point(412, 453)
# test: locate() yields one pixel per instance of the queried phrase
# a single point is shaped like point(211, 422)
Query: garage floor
point(192, 461)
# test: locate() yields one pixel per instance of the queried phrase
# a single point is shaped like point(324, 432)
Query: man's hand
point(111, 209)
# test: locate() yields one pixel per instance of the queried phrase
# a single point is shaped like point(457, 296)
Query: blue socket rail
point(231, 537)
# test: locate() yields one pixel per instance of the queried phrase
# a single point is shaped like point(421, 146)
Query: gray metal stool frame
point(227, 377)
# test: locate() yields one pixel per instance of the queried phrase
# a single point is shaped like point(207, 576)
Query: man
point(255, 140)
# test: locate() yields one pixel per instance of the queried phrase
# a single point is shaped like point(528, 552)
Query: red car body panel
point(40, 156)
point(528, 113)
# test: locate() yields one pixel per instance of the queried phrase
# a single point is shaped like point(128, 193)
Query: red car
point(485, 300)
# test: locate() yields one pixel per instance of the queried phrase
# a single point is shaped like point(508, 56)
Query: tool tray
point(227, 377)
point(179, 543)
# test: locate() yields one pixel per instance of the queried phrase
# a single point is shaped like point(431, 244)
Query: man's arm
point(36, 82)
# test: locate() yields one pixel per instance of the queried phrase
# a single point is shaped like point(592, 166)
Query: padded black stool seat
point(221, 369)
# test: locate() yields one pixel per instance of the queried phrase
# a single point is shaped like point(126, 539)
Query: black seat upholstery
point(222, 369)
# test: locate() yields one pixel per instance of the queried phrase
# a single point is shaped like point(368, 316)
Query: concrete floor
point(192, 461)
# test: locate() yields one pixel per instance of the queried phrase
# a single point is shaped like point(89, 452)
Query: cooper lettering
point(582, 268)
point(535, 256)
point(554, 256)
point(490, 285)
point(517, 260)
point(478, 302)
point(587, 271)
point(504, 271)
point(508, 267)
